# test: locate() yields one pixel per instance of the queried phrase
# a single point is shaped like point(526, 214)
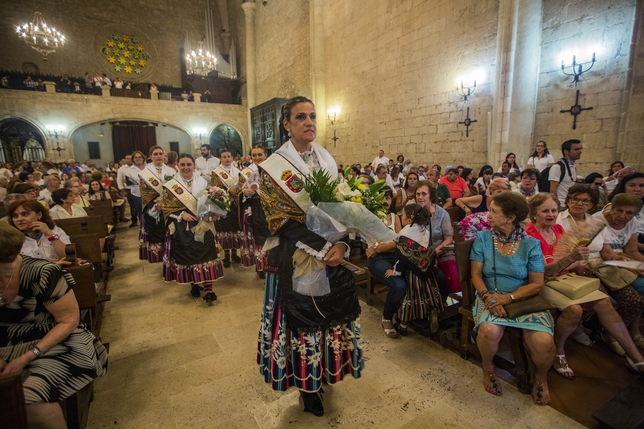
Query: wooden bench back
point(13, 411)
point(103, 211)
point(87, 247)
point(84, 289)
point(456, 214)
point(462, 251)
point(83, 225)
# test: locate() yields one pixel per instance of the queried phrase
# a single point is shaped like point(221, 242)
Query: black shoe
point(236, 259)
point(133, 225)
point(402, 330)
point(195, 291)
point(226, 263)
point(261, 274)
point(209, 296)
point(313, 403)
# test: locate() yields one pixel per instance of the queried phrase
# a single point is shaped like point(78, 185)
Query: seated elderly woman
point(40, 332)
point(620, 244)
point(65, 207)
point(43, 239)
point(528, 184)
point(507, 266)
point(544, 208)
point(28, 190)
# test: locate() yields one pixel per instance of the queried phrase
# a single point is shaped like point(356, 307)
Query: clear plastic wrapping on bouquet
point(207, 209)
point(356, 218)
point(324, 225)
point(313, 283)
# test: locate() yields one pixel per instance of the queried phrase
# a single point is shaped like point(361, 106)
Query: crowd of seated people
point(515, 227)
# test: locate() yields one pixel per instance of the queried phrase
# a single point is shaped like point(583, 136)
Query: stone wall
point(158, 26)
point(391, 67)
point(283, 52)
point(583, 27)
point(71, 112)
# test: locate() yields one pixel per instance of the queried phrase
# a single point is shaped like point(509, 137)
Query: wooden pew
point(89, 225)
point(88, 247)
point(89, 299)
point(519, 367)
point(456, 214)
point(13, 411)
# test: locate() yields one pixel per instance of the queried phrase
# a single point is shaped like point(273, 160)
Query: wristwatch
point(53, 237)
point(512, 297)
point(37, 352)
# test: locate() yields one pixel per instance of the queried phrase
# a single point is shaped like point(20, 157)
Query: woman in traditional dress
point(189, 257)
point(151, 180)
point(304, 340)
point(416, 261)
point(507, 265)
point(254, 227)
point(544, 208)
point(40, 332)
point(226, 176)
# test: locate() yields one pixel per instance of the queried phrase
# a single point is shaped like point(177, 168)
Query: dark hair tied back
point(419, 215)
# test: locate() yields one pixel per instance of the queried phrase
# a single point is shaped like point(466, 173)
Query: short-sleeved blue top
point(511, 271)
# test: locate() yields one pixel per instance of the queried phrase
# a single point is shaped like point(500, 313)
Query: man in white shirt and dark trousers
point(560, 183)
point(206, 163)
point(380, 159)
point(125, 189)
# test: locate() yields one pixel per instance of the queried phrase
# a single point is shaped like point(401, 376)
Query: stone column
point(249, 12)
point(631, 126)
point(318, 83)
point(517, 80)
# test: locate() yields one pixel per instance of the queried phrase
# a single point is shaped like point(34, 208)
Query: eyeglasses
point(575, 200)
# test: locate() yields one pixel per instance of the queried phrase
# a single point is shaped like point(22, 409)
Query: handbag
point(615, 278)
point(574, 286)
point(515, 309)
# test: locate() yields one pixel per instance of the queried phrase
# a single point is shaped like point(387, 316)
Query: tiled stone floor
point(177, 363)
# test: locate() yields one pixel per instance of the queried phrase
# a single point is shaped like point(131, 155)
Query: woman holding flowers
point(254, 228)
point(190, 256)
point(304, 340)
point(151, 180)
point(226, 176)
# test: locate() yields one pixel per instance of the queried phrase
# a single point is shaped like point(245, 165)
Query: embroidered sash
point(176, 197)
point(222, 178)
point(151, 186)
point(244, 175)
point(289, 179)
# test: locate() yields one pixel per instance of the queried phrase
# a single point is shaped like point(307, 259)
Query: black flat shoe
point(400, 329)
point(195, 291)
point(236, 259)
point(261, 274)
point(313, 403)
point(226, 263)
point(133, 225)
point(209, 296)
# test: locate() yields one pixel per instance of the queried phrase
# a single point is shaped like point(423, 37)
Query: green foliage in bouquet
point(320, 187)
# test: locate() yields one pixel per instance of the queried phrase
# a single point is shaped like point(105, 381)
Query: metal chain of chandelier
point(43, 39)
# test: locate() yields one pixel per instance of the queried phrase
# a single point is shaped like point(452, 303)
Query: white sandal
point(564, 370)
point(633, 367)
point(583, 339)
point(391, 333)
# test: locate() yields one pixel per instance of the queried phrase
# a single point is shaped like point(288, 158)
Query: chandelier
point(43, 39)
point(200, 63)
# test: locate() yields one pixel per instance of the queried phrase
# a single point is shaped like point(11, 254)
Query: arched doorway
point(19, 140)
point(225, 136)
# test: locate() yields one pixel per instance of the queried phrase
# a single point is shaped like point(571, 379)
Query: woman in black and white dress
point(40, 331)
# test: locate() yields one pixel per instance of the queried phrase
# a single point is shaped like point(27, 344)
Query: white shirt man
point(120, 175)
point(380, 159)
point(571, 150)
point(53, 184)
point(206, 162)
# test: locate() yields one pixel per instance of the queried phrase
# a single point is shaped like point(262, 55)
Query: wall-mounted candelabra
point(576, 69)
point(55, 131)
point(333, 115)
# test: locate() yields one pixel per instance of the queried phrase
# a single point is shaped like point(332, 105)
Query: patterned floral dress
point(69, 365)
point(303, 358)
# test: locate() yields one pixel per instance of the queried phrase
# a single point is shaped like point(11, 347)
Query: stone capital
point(249, 6)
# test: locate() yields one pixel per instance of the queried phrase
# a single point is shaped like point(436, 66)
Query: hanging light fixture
point(43, 39)
point(201, 62)
point(100, 134)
